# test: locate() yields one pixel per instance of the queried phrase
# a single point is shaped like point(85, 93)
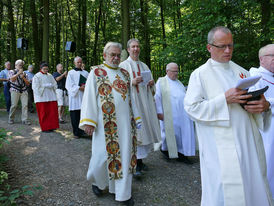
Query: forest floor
point(58, 163)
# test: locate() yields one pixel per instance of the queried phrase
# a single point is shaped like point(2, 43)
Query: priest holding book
point(75, 86)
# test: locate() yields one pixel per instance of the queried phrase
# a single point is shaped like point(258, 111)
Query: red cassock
point(48, 115)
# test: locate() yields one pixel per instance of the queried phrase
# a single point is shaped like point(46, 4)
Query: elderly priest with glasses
point(232, 157)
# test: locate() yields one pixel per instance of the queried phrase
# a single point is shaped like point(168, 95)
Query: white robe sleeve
point(37, 85)
point(71, 85)
point(211, 111)
point(89, 107)
point(158, 99)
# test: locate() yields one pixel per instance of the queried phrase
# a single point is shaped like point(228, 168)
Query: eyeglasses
point(173, 71)
point(230, 46)
point(115, 55)
point(269, 55)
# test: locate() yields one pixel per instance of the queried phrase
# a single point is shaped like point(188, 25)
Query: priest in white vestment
point(109, 113)
point(232, 157)
point(266, 70)
point(143, 97)
point(75, 85)
point(44, 89)
point(177, 131)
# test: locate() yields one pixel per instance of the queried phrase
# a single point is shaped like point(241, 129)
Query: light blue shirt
point(30, 75)
point(4, 75)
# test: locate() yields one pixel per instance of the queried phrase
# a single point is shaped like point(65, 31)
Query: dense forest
point(169, 30)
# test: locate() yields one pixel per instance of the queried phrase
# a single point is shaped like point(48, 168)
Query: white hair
point(112, 44)
point(76, 58)
point(170, 65)
point(19, 61)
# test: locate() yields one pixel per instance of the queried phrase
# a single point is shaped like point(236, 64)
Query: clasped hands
point(235, 95)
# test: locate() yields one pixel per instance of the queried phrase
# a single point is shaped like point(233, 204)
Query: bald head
point(172, 70)
point(266, 56)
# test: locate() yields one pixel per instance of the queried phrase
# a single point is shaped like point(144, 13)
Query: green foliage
point(8, 195)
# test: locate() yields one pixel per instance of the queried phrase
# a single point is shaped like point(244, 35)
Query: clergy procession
point(127, 115)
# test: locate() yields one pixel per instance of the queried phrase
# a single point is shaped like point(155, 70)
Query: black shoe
point(165, 154)
point(97, 191)
point(48, 131)
point(184, 159)
point(144, 167)
point(129, 202)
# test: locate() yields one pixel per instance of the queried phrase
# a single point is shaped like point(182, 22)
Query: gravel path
point(59, 164)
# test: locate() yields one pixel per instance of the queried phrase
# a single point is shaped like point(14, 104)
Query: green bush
point(8, 195)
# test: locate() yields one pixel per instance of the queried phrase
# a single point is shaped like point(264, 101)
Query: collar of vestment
point(77, 69)
point(43, 72)
point(115, 68)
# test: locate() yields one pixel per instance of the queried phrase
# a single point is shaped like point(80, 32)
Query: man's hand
point(137, 80)
point(151, 83)
point(82, 88)
point(257, 106)
point(235, 95)
point(88, 129)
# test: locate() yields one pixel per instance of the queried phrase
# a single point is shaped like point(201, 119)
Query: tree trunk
point(45, 49)
point(94, 56)
point(163, 23)
point(1, 19)
point(83, 31)
point(57, 32)
point(70, 22)
point(12, 34)
point(125, 22)
point(144, 13)
point(35, 36)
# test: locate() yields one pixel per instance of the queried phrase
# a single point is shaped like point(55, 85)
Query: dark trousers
point(7, 97)
point(30, 99)
point(75, 120)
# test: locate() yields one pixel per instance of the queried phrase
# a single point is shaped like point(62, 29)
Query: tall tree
point(145, 30)
point(84, 30)
point(98, 14)
point(12, 33)
point(45, 49)
point(125, 22)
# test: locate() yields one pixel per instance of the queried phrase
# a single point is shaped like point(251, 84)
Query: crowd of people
point(127, 115)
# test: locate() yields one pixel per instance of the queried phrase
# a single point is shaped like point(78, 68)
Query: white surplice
point(232, 157)
point(268, 135)
point(143, 97)
point(72, 86)
point(42, 93)
point(182, 125)
point(91, 114)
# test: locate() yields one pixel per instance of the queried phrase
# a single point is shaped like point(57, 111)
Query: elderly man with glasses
point(108, 112)
point(266, 70)
point(232, 158)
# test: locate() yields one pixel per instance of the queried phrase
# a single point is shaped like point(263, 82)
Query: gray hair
point(30, 66)
point(264, 49)
point(76, 58)
point(112, 44)
point(132, 40)
point(6, 63)
point(210, 36)
point(169, 65)
point(19, 61)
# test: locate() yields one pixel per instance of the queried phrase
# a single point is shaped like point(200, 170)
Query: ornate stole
point(168, 120)
point(110, 121)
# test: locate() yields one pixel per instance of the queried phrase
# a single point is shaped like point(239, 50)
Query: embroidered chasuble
point(108, 107)
point(232, 158)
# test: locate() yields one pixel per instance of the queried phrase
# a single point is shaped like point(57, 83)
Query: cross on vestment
point(138, 74)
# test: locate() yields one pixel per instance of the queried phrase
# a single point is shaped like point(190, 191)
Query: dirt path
point(59, 164)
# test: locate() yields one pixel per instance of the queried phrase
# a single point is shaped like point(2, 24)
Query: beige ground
point(59, 164)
